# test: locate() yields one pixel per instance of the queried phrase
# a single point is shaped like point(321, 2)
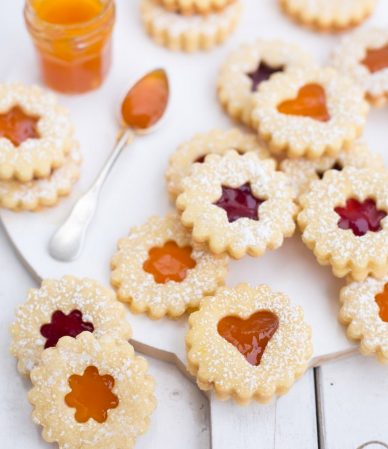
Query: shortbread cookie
point(39, 193)
point(188, 33)
point(92, 394)
point(189, 7)
point(250, 65)
point(311, 112)
point(365, 313)
point(160, 271)
point(238, 204)
point(302, 172)
point(213, 142)
point(364, 56)
point(329, 15)
point(248, 343)
point(35, 132)
point(64, 307)
point(344, 221)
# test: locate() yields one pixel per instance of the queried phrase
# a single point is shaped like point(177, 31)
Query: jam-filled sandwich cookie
point(188, 33)
point(46, 192)
point(248, 343)
point(344, 221)
point(160, 271)
point(302, 172)
point(213, 142)
point(35, 132)
point(246, 68)
point(364, 56)
point(92, 394)
point(365, 313)
point(189, 7)
point(64, 307)
point(238, 204)
point(329, 15)
point(311, 112)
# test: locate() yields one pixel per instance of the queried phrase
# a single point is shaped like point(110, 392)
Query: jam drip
point(310, 102)
point(169, 262)
point(17, 126)
point(360, 217)
point(91, 395)
point(239, 203)
point(250, 336)
point(262, 73)
point(376, 59)
point(64, 325)
point(382, 301)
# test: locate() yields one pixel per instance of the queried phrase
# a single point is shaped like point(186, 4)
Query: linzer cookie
point(246, 68)
point(310, 113)
point(365, 313)
point(188, 33)
point(237, 204)
point(344, 221)
point(329, 15)
point(364, 56)
point(189, 7)
point(248, 343)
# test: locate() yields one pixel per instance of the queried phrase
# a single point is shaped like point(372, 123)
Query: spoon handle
point(66, 244)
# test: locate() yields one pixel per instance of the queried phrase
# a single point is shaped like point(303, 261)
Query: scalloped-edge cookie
point(212, 142)
point(92, 394)
point(248, 343)
point(237, 204)
point(60, 307)
point(364, 311)
point(159, 270)
point(344, 221)
point(329, 15)
point(188, 33)
point(309, 113)
point(47, 122)
point(363, 55)
point(250, 65)
point(199, 7)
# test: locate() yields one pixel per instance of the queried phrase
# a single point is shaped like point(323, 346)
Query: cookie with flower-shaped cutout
point(248, 343)
point(364, 311)
point(237, 204)
point(35, 132)
point(250, 65)
point(363, 56)
point(329, 15)
point(198, 7)
point(92, 393)
point(344, 221)
point(309, 113)
point(45, 192)
point(159, 270)
point(302, 172)
point(212, 142)
point(64, 307)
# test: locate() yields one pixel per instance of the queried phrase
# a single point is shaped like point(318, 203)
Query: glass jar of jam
point(73, 41)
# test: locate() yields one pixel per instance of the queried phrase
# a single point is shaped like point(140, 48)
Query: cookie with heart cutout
point(248, 343)
point(309, 113)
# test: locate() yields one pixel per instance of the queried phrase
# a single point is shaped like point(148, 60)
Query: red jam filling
point(249, 336)
point(91, 395)
point(376, 59)
point(63, 325)
point(17, 126)
point(360, 217)
point(239, 202)
point(262, 73)
point(382, 301)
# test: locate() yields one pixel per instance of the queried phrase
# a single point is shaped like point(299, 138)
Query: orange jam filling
point(376, 59)
point(310, 102)
point(147, 101)
point(68, 12)
point(169, 262)
point(91, 395)
point(382, 301)
point(249, 336)
point(17, 126)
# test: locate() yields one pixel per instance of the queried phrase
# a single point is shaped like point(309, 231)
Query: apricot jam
point(17, 126)
point(376, 59)
point(382, 301)
point(73, 41)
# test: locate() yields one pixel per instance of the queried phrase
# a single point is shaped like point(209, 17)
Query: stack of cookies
point(190, 25)
point(39, 155)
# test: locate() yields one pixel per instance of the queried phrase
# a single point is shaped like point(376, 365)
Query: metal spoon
point(67, 242)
